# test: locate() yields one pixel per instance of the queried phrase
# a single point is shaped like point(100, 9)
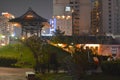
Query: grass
point(19, 51)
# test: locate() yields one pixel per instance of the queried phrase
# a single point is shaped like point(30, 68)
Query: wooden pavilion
point(31, 23)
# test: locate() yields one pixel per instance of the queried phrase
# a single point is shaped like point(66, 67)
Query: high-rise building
point(6, 28)
point(111, 16)
point(76, 15)
point(105, 17)
point(96, 18)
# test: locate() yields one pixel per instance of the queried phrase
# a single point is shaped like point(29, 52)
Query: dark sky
point(19, 7)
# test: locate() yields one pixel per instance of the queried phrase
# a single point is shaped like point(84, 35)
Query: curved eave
point(19, 20)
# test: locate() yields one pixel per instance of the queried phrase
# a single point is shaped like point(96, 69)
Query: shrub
point(111, 67)
point(7, 61)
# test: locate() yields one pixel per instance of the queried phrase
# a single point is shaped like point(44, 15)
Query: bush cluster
point(111, 67)
point(7, 61)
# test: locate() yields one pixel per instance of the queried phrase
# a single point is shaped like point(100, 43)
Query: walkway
point(13, 73)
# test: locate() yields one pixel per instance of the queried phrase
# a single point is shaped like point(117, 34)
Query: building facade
point(6, 28)
point(113, 17)
point(105, 17)
point(96, 18)
point(79, 12)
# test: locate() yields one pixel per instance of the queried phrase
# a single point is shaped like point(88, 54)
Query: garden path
point(13, 73)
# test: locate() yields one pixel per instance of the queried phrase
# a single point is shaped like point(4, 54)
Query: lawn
point(19, 51)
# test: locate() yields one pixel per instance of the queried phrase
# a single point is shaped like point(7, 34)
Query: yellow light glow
point(3, 44)
point(72, 10)
point(92, 45)
point(7, 15)
point(62, 45)
point(16, 24)
point(68, 17)
point(23, 38)
point(58, 17)
point(3, 36)
point(59, 44)
point(29, 16)
point(97, 14)
point(97, 30)
point(63, 17)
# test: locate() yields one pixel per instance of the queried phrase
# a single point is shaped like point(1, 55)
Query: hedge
point(111, 67)
point(7, 61)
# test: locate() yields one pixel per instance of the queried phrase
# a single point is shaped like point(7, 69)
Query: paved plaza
point(13, 73)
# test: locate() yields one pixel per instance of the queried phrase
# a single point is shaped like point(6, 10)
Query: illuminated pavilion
point(31, 23)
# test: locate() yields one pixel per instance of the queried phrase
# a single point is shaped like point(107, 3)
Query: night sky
point(19, 7)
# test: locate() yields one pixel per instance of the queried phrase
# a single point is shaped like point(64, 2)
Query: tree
point(58, 32)
point(58, 36)
point(79, 63)
point(37, 46)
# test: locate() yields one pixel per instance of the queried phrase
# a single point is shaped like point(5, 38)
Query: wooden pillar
point(22, 31)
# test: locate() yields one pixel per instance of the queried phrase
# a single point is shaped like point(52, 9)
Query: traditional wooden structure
point(31, 23)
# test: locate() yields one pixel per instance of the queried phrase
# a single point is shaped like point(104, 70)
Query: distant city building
point(6, 28)
point(78, 10)
point(105, 17)
point(96, 18)
point(111, 15)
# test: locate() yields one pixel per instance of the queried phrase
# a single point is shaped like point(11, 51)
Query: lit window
point(29, 16)
point(67, 8)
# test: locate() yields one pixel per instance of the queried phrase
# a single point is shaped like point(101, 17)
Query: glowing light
point(72, 43)
point(52, 21)
point(58, 17)
point(62, 45)
point(7, 15)
point(63, 17)
point(97, 13)
point(72, 10)
point(29, 16)
point(23, 38)
point(3, 36)
point(16, 24)
point(92, 45)
point(44, 31)
point(3, 44)
point(59, 44)
point(97, 30)
point(68, 17)
point(12, 35)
